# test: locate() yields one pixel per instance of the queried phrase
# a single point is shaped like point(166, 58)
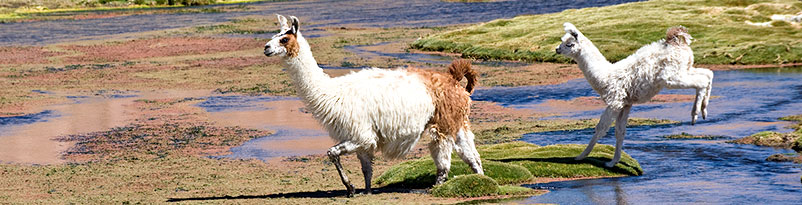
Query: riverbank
point(720, 30)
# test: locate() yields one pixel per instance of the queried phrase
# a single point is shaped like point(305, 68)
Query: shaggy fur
point(636, 79)
point(382, 110)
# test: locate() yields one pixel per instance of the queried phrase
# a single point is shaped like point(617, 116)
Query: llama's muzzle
point(267, 51)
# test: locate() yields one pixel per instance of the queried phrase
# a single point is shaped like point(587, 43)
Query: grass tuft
point(719, 28)
point(792, 140)
point(472, 185)
point(685, 135)
point(516, 162)
point(421, 173)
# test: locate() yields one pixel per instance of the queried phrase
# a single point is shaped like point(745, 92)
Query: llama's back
point(382, 109)
point(644, 72)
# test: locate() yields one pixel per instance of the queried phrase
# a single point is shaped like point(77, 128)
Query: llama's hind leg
point(366, 159)
point(620, 132)
point(601, 129)
point(440, 148)
point(334, 154)
point(709, 88)
point(466, 149)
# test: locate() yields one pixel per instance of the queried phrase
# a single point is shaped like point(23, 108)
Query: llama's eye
point(284, 40)
point(569, 45)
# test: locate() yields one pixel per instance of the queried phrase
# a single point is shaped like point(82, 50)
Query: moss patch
point(558, 160)
point(789, 157)
point(472, 185)
point(720, 31)
point(515, 162)
point(421, 173)
point(792, 140)
point(684, 136)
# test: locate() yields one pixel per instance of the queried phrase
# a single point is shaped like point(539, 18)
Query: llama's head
point(571, 41)
point(285, 43)
point(678, 36)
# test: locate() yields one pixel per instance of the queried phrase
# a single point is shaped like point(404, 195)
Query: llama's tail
point(678, 35)
point(462, 67)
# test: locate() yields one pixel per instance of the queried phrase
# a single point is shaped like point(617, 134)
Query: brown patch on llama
point(452, 101)
point(291, 44)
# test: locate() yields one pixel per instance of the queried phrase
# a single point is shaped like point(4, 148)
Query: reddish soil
point(233, 62)
point(161, 47)
point(25, 55)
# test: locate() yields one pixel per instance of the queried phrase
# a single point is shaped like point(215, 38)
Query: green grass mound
point(685, 136)
point(472, 185)
point(558, 160)
point(721, 33)
point(421, 173)
point(516, 162)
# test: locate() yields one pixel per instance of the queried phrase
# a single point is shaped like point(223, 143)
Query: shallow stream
point(681, 171)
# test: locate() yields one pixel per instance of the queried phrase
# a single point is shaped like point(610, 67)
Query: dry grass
point(722, 36)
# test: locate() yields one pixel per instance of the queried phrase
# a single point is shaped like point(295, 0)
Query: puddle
point(28, 139)
point(297, 132)
point(329, 13)
point(681, 171)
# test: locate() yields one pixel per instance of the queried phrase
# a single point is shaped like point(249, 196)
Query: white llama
point(636, 79)
point(382, 110)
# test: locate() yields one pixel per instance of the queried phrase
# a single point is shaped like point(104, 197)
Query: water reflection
point(297, 132)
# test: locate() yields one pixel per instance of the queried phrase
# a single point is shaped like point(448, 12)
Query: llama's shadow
point(305, 194)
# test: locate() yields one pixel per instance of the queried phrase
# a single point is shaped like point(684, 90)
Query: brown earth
point(25, 55)
point(159, 47)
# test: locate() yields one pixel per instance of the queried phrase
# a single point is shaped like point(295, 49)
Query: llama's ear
point(571, 29)
point(295, 24)
point(283, 22)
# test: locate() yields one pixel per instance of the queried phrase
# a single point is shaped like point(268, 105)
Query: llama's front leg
point(620, 132)
point(334, 154)
point(440, 149)
point(601, 129)
point(467, 150)
point(366, 159)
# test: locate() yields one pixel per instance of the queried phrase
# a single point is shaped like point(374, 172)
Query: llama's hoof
point(577, 158)
point(351, 191)
point(610, 164)
point(368, 192)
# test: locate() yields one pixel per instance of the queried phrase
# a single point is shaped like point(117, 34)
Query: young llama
point(636, 79)
point(382, 110)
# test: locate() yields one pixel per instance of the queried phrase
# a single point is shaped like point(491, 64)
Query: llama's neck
point(593, 64)
point(308, 77)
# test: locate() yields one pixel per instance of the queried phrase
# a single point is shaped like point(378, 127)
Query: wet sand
point(34, 143)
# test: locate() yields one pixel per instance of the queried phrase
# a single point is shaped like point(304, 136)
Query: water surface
point(682, 171)
point(325, 13)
